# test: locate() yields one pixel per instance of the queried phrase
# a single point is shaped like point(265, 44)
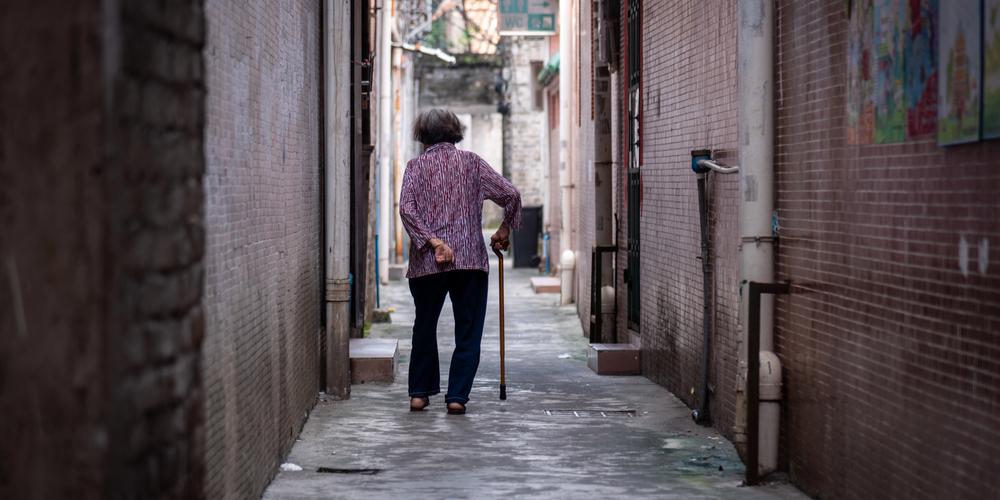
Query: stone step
point(397, 272)
point(374, 360)
point(545, 284)
point(614, 359)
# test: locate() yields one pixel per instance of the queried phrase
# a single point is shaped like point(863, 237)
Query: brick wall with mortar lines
point(107, 106)
point(688, 102)
point(263, 218)
point(891, 352)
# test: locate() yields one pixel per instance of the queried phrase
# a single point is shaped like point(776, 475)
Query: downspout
point(603, 180)
point(755, 72)
point(702, 164)
point(384, 60)
point(397, 163)
point(567, 260)
point(702, 414)
point(337, 209)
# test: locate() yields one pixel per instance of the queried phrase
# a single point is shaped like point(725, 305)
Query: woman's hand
point(442, 252)
point(500, 239)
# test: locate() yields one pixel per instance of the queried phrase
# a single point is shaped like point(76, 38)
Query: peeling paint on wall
point(753, 16)
point(749, 188)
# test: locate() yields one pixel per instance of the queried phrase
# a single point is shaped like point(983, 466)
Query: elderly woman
point(441, 207)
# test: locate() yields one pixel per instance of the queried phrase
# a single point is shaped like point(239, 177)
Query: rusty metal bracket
point(753, 373)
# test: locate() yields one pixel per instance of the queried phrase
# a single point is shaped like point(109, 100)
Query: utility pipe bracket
point(757, 240)
point(338, 289)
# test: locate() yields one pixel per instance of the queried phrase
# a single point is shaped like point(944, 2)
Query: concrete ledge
point(374, 360)
point(545, 284)
point(396, 272)
point(614, 359)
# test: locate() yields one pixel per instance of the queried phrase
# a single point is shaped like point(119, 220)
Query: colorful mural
point(991, 69)
point(959, 70)
point(860, 86)
point(920, 57)
point(890, 109)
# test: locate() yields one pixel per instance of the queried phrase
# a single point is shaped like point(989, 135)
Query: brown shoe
point(456, 409)
point(418, 404)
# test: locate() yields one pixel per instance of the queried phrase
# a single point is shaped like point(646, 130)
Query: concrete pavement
point(532, 445)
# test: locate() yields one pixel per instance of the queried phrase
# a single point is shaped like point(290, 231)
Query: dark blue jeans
point(468, 291)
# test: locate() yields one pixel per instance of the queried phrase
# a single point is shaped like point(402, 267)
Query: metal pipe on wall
point(384, 60)
point(566, 61)
point(603, 182)
point(702, 414)
point(702, 165)
point(755, 40)
point(397, 153)
point(337, 209)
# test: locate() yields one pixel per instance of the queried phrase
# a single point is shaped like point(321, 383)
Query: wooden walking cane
point(503, 381)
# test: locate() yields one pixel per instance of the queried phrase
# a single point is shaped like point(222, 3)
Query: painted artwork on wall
point(890, 109)
point(860, 86)
point(921, 68)
point(991, 69)
point(959, 70)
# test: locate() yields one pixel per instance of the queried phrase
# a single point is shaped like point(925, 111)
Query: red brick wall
point(101, 161)
point(263, 217)
point(688, 102)
point(891, 352)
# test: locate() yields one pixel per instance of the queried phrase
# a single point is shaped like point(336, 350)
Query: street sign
point(528, 17)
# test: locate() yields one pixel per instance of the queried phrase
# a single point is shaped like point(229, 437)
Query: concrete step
point(397, 272)
point(374, 360)
point(545, 284)
point(614, 359)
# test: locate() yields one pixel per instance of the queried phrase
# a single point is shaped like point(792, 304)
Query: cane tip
point(503, 392)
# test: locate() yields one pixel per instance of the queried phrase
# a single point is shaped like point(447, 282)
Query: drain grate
point(591, 413)
point(332, 470)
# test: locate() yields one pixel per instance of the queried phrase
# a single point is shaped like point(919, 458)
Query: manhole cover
point(592, 413)
point(332, 470)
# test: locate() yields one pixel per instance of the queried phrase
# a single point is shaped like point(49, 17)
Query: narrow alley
point(643, 445)
point(752, 249)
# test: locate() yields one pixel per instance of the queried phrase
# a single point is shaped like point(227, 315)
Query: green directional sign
point(528, 17)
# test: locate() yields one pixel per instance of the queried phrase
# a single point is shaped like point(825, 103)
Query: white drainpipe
point(337, 164)
point(755, 43)
point(567, 265)
point(567, 258)
point(384, 59)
